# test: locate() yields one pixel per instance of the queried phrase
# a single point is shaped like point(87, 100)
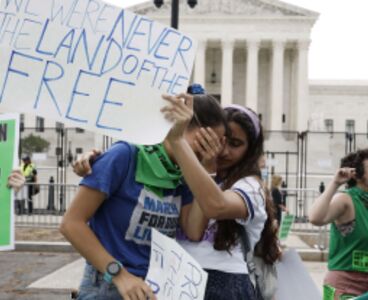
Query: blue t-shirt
point(123, 222)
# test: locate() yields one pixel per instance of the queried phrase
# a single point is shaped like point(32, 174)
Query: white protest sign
point(173, 274)
point(293, 279)
point(92, 65)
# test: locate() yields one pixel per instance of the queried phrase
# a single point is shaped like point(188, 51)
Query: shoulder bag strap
point(247, 254)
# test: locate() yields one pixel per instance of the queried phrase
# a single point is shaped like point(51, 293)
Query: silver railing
point(47, 206)
point(299, 202)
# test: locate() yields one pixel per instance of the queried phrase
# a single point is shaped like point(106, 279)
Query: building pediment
point(259, 8)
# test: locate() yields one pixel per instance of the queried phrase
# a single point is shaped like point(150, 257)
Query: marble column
point(277, 80)
point(302, 92)
point(200, 63)
point(227, 72)
point(251, 84)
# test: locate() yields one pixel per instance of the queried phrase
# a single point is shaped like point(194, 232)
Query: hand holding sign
point(133, 287)
point(173, 274)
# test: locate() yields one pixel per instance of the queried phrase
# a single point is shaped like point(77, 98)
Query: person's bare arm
point(75, 228)
point(193, 221)
point(329, 206)
point(215, 203)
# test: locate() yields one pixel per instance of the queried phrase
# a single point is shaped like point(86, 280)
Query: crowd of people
point(209, 173)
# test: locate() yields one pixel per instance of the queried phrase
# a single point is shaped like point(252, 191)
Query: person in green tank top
point(347, 212)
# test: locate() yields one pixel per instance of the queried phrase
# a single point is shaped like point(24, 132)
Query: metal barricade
point(50, 203)
point(299, 202)
point(45, 208)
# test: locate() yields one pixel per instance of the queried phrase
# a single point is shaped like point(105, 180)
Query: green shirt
point(350, 252)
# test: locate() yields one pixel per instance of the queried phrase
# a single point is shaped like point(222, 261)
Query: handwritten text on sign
point(91, 65)
point(173, 274)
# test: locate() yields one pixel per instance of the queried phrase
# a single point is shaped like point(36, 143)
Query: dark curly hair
point(355, 160)
point(228, 232)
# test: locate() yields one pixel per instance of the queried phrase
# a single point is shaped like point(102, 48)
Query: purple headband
point(253, 117)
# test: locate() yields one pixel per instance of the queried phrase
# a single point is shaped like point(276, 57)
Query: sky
point(339, 48)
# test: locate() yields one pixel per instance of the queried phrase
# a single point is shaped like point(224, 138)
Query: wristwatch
point(112, 269)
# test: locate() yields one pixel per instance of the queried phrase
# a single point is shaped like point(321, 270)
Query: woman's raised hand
point(179, 111)
point(209, 146)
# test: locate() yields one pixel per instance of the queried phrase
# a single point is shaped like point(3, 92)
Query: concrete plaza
point(52, 274)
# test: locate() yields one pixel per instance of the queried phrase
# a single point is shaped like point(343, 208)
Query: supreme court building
point(255, 53)
point(250, 52)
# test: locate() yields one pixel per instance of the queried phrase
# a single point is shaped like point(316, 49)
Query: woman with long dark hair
point(221, 210)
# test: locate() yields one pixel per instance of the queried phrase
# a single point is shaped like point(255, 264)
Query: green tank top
point(350, 252)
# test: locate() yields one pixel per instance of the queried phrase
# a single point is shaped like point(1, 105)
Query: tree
point(34, 143)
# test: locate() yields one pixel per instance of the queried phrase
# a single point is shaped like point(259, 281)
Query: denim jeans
point(94, 287)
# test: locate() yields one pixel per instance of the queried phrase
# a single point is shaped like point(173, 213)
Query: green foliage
point(34, 143)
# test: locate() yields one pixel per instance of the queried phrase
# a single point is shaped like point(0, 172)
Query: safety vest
point(27, 171)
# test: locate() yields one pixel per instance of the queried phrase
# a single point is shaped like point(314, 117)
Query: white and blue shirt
point(251, 191)
point(124, 220)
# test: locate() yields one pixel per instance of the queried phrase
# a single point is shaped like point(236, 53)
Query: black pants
point(228, 286)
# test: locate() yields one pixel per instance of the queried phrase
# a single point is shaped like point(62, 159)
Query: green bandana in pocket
point(155, 169)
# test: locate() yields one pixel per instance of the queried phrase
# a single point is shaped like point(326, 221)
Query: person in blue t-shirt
point(130, 190)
